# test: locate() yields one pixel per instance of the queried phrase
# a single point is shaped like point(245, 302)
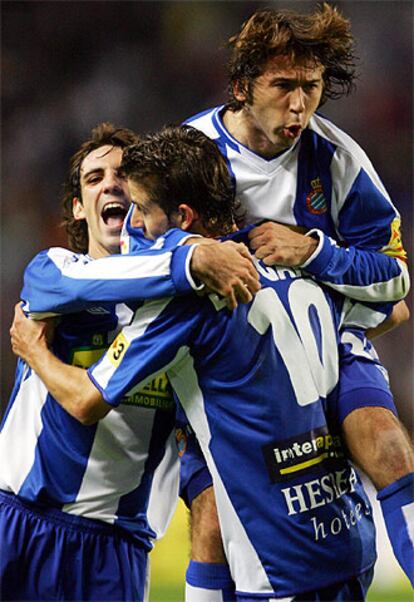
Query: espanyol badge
point(316, 201)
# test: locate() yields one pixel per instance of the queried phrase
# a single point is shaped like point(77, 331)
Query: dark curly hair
point(180, 164)
point(323, 37)
point(102, 135)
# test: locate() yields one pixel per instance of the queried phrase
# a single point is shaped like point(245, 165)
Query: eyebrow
point(97, 170)
point(290, 80)
point(85, 174)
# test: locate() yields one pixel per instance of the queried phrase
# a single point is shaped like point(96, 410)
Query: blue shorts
point(363, 380)
point(47, 554)
point(194, 474)
point(353, 590)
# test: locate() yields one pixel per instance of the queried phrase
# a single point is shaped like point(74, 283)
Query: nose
point(112, 183)
point(297, 100)
point(136, 218)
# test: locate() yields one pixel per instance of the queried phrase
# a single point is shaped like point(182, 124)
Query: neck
point(241, 126)
point(96, 251)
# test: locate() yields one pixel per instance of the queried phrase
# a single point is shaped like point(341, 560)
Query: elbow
point(83, 413)
point(89, 410)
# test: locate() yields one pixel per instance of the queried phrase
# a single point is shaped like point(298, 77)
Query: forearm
point(69, 386)
point(400, 314)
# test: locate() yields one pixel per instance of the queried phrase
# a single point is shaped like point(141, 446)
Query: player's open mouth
point(292, 131)
point(113, 214)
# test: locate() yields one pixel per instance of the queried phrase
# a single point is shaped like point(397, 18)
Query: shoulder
point(58, 256)
point(329, 134)
point(206, 121)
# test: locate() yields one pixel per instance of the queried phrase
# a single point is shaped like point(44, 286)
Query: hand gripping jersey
point(122, 470)
point(254, 384)
point(327, 184)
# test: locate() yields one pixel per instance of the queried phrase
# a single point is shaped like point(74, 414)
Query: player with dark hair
point(73, 521)
point(319, 204)
point(75, 517)
point(256, 384)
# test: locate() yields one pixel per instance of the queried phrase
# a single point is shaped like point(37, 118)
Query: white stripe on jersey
point(370, 293)
point(166, 478)
point(408, 513)
point(18, 445)
point(245, 566)
point(117, 267)
point(116, 463)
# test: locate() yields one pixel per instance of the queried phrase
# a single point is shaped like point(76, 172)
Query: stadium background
point(68, 65)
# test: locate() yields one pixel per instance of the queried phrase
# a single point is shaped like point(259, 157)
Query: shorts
point(194, 474)
point(47, 554)
point(363, 380)
point(353, 590)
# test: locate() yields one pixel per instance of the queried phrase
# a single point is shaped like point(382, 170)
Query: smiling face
point(105, 199)
point(284, 98)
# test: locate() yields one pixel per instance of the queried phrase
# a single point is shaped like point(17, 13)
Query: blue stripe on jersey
point(356, 218)
point(312, 208)
point(61, 457)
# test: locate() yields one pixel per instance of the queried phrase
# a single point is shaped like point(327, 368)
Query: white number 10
point(312, 374)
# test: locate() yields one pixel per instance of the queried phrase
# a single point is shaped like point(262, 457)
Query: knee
point(379, 444)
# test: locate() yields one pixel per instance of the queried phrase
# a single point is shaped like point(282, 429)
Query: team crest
point(316, 201)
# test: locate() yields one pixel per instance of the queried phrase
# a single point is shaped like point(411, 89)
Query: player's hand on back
point(276, 244)
point(226, 269)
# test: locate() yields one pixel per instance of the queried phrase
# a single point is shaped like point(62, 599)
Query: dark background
point(66, 66)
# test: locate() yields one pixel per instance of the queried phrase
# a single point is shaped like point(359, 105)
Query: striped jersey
point(123, 470)
point(254, 384)
point(325, 183)
point(71, 282)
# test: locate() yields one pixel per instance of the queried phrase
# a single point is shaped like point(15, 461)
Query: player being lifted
point(257, 385)
point(292, 166)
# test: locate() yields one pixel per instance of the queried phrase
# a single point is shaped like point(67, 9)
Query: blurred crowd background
point(68, 65)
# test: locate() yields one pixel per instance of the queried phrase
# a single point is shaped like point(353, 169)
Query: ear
point(239, 90)
point(186, 216)
point(78, 209)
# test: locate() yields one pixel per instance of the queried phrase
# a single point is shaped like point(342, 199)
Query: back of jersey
point(256, 387)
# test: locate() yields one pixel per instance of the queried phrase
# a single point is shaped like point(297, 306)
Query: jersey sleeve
point(156, 341)
point(364, 275)
point(59, 281)
point(369, 263)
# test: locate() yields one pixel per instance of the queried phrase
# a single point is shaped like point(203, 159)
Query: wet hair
point(323, 37)
point(102, 135)
point(179, 165)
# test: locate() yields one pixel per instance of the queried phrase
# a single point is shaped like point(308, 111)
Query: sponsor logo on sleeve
point(395, 247)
